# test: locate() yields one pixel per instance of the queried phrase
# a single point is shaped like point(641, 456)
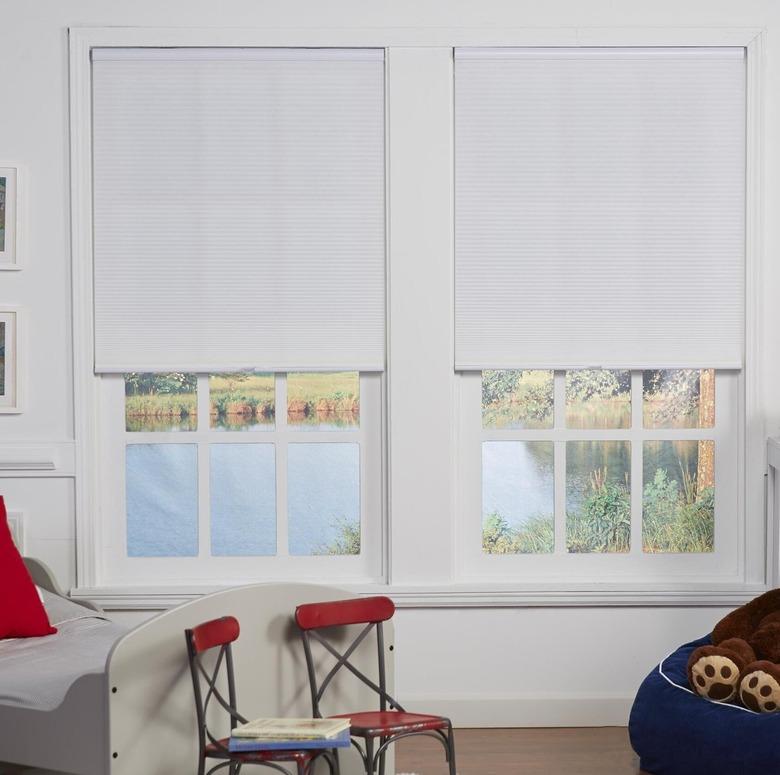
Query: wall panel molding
point(33, 459)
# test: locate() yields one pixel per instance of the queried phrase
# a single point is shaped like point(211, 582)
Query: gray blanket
point(36, 673)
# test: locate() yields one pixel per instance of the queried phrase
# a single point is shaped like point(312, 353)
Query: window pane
point(243, 401)
point(324, 401)
point(518, 500)
point(323, 498)
point(243, 499)
point(516, 398)
point(598, 496)
point(678, 501)
point(161, 402)
point(598, 398)
point(162, 500)
point(678, 398)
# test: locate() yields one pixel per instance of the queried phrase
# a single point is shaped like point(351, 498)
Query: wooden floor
point(603, 751)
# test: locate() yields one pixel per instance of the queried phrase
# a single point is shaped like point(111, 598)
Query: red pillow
point(22, 614)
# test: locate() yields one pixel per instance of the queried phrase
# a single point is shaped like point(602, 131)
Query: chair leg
point(369, 756)
point(451, 749)
point(302, 768)
point(382, 756)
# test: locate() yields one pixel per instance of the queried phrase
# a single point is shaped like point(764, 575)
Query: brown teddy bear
point(743, 662)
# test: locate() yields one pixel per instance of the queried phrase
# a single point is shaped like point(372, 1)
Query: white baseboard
point(525, 710)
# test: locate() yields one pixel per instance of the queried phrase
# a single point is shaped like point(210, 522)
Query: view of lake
point(517, 476)
point(323, 479)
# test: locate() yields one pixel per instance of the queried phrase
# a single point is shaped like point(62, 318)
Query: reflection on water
point(514, 416)
point(323, 421)
point(599, 413)
point(583, 458)
point(598, 398)
point(242, 422)
point(161, 423)
point(674, 456)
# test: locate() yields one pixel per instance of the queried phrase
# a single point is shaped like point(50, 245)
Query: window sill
point(461, 596)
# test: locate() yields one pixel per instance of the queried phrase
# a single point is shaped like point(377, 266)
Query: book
point(291, 728)
point(243, 744)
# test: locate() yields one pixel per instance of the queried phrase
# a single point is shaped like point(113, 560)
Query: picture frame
point(11, 359)
point(10, 206)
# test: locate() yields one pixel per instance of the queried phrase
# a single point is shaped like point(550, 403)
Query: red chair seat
point(260, 756)
point(380, 723)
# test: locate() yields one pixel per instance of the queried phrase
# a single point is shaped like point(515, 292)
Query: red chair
point(388, 724)
point(220, 633)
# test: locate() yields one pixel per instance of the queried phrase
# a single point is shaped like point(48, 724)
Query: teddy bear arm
point(738, 624)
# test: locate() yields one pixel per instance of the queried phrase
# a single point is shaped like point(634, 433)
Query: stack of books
point(285, 734)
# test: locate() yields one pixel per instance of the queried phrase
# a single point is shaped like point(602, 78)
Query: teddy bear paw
point(715, 677)
point(760, 692)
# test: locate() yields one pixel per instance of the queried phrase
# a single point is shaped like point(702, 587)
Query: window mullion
point(560, 496)
point(559, 461)
point(636, 462)
point(281, 439)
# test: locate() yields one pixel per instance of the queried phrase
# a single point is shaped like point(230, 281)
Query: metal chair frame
point(371, 759)
point(232, 759)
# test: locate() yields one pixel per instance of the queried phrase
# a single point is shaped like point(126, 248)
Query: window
point(243, 475)
point(239, 312)
point(599, 219)
point(610, 242)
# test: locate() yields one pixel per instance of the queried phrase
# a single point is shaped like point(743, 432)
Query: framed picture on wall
point(11, 356)
point(10, 183)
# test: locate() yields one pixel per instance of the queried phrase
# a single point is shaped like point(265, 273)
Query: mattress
point(36, 673)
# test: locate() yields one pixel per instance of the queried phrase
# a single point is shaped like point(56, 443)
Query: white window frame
point(421, 548)
point(120, 570)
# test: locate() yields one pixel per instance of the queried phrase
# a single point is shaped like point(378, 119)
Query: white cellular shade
point(600, 207)
point(239, 216)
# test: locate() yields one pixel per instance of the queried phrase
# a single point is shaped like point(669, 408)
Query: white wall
point(485, 666)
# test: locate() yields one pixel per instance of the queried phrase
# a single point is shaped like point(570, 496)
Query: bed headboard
point(43, 576)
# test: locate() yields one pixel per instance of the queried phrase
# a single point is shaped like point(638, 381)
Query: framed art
point(10, 186)
point(11, 356)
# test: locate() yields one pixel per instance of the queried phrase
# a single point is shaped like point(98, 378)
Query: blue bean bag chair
point(676, 732)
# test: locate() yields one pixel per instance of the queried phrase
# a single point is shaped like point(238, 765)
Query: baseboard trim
point(526, 710)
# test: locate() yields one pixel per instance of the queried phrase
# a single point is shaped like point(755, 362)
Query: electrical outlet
point(16, 523)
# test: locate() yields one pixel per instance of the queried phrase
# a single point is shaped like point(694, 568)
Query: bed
point(97, 699)
point(676, 732)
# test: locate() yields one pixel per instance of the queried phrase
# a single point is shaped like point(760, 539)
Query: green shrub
point(675, 520)
point(536, 536)
point(346, 542)
point(603, 523)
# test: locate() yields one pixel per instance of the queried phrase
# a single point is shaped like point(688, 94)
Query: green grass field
point(316, 391)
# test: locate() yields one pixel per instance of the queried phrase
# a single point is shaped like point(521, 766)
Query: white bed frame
point(138, 717)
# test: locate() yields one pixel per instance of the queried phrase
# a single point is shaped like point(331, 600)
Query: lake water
point(517, 480)
point(517, 476)
point(162, 497)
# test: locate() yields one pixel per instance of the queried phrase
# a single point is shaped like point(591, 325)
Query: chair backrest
point(312, 618)
point(217, 633)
